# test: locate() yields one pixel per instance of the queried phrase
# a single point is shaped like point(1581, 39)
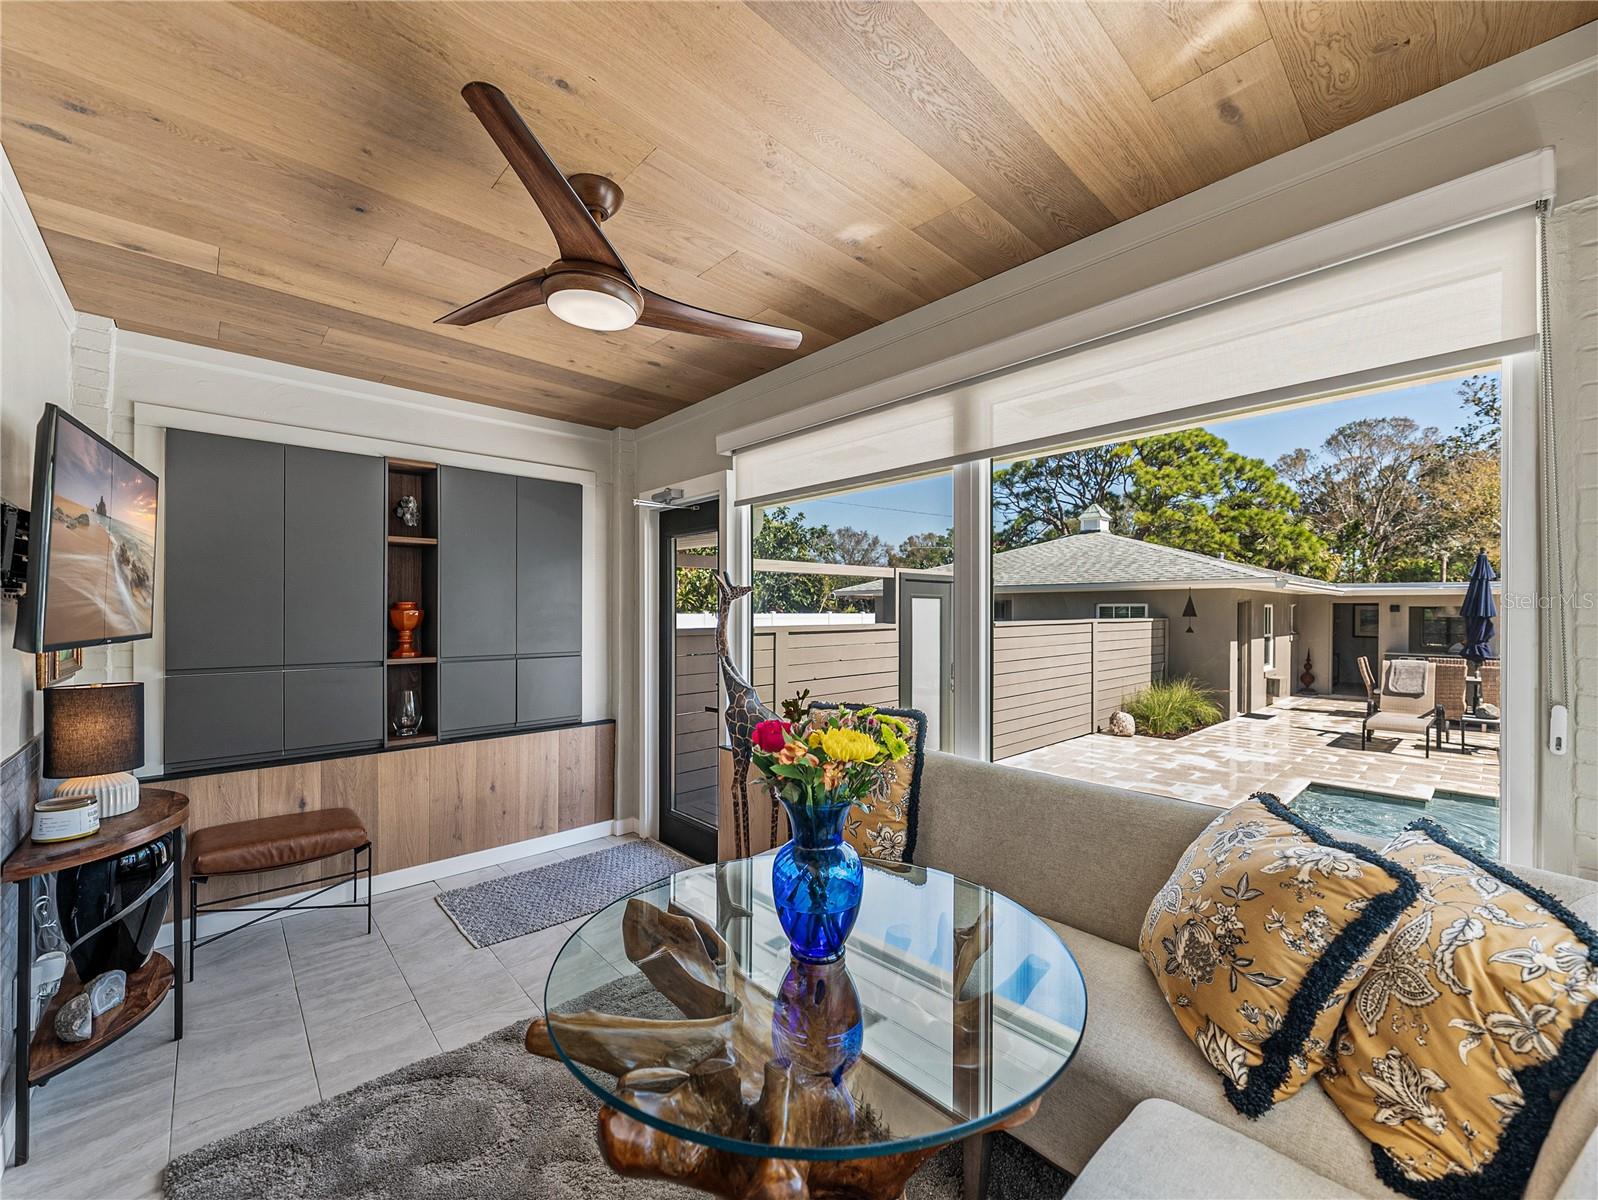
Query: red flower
point(770, 736)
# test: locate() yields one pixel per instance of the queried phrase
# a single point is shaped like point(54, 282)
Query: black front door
point(691, 726)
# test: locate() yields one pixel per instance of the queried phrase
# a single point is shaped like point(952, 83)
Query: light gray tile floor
point(279, 1017)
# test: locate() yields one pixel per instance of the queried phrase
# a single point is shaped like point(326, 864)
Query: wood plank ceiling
point(303, 182)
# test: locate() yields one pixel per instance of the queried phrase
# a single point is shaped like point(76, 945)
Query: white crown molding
point(228, 362)
point(16, 206)
point(1568, 61)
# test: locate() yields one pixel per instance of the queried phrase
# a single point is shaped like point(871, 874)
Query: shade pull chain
point(1556, 661)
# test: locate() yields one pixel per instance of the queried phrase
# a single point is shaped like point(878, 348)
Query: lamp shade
point(96, 729)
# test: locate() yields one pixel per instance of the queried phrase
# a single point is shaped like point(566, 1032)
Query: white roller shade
point(1408, 308)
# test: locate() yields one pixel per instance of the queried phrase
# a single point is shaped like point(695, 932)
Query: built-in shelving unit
point(412, 575)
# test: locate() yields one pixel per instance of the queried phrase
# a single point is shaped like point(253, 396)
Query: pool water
point(1470, 820)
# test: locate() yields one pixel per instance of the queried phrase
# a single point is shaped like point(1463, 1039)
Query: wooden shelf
point(159, 812)
point(417, 739)
point(395, 539)
point(147, 987)
point(419, 661)
point(411, 464)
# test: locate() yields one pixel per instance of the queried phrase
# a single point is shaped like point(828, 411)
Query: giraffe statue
point(744, 712)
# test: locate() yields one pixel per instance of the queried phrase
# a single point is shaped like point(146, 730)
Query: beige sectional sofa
point(1138, 1112)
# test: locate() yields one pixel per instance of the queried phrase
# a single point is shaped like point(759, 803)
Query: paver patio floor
point(1307, 738)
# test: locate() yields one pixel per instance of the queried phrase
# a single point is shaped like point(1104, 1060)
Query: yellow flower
point(848, 745)
point(814, 739)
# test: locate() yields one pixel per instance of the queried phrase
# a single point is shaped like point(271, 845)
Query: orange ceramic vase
point(405, 616)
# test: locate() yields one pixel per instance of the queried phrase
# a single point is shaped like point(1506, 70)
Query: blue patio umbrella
point(1479, 611)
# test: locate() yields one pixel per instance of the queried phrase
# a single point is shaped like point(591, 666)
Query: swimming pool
point(1470, 820)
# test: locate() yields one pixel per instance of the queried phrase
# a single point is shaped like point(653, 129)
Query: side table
point(41, 1056)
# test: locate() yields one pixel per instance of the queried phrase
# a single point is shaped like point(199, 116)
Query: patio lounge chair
point(1408, 702)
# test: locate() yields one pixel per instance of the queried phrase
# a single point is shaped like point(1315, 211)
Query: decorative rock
point(1487, 710)
point(107, 990)
point(1122, 724)
point(74, 1021)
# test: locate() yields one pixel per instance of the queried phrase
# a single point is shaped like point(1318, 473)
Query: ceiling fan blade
point(663, 312)
point(526, 292)
point(576, 232)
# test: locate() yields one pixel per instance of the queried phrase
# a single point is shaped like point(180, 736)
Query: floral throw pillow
point(1256, 939)
point(885, 828)
point(1468, 1029)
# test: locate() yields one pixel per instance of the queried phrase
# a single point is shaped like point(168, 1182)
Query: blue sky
point(895, 511)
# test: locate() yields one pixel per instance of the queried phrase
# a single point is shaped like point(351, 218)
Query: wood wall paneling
point(423, 804)
point(304, 183)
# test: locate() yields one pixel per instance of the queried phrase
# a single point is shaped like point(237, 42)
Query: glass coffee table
point(722, 1063)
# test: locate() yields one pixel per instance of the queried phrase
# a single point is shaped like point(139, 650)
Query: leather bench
point(271, 844)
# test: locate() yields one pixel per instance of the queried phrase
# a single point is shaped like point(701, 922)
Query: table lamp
point(93, 738)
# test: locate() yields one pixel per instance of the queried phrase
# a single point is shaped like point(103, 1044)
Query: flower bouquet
point(819, 767)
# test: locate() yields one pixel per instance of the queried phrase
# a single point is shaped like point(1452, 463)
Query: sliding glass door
point(691, 726)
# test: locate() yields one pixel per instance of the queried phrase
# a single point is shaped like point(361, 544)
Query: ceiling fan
point(588, 285)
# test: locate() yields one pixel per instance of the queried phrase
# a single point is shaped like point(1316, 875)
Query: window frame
point(1268, 636)
point(1099, 614)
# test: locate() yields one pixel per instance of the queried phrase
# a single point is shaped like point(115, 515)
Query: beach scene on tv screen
point(101, 581)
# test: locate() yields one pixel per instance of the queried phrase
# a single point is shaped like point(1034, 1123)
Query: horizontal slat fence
point(698, 731)
point(1052, 680)
point(835, 662)
point(1056, 680)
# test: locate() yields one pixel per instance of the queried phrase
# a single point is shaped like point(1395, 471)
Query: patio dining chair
point(1451, 695)
point(1404, 710)
point(1373, 695)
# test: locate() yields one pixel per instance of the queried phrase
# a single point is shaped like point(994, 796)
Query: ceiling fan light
point(592, 301)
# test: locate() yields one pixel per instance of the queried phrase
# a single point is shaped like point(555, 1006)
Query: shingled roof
point(1102, 559)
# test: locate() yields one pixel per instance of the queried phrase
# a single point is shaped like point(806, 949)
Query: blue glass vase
point(816, 881)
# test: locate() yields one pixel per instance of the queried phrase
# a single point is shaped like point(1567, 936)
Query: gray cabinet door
point(334, 527)
point(332, 706)
point(549, 690)
point(223, 512)
point(477, 564)
point(476, 695)
point(222, 716)
point(549, 567)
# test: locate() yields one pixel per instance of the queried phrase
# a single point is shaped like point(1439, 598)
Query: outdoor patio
point(1305, 739)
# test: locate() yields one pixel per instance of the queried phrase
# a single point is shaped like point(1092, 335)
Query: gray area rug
point(497, 910)
point(486, 1122)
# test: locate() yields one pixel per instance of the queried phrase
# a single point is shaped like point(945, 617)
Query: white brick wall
point(1573, 280)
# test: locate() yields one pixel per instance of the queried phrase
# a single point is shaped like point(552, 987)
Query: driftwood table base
point(638, 1151)
point(743, 1066)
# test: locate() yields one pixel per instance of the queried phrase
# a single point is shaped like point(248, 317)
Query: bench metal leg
point(332, 882)
point(194, 918)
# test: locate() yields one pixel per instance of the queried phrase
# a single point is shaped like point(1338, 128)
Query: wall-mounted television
point(91, 551)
